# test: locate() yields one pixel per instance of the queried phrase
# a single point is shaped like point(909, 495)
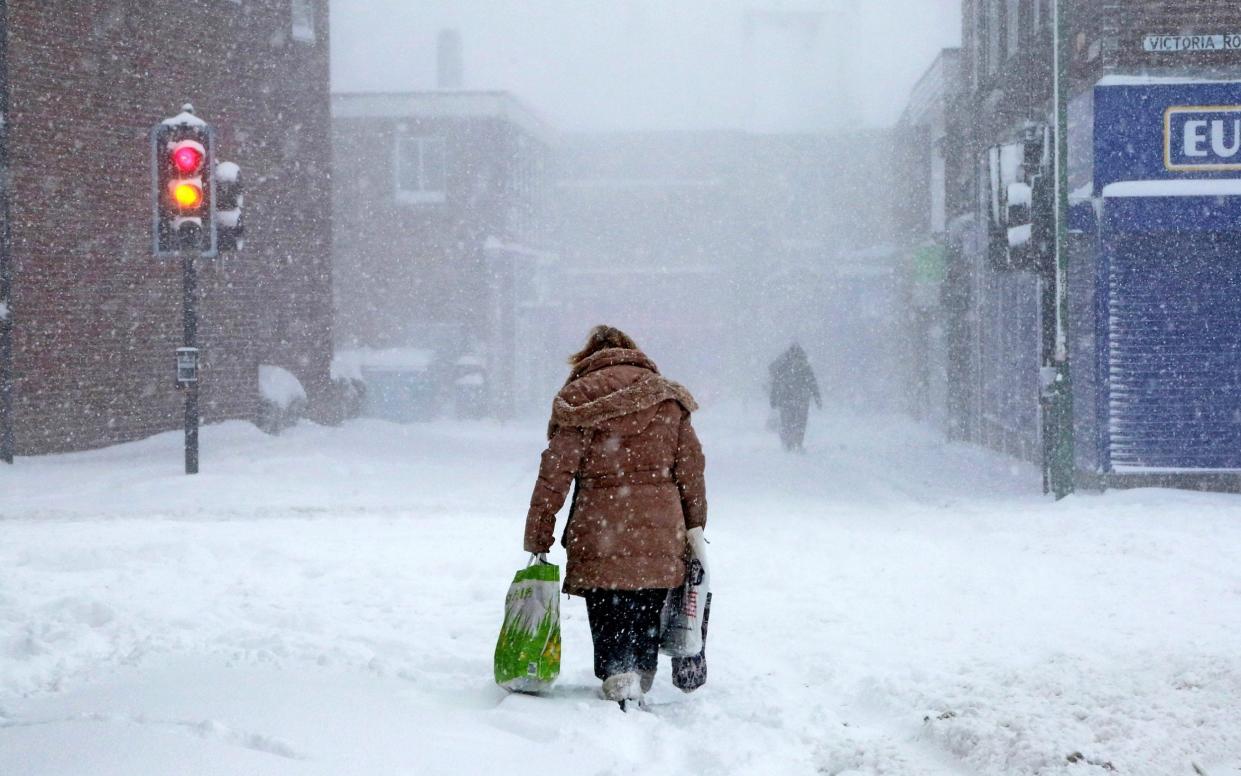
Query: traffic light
point(183, 190)
point(229, 200)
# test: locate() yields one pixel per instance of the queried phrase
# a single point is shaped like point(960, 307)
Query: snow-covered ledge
point(1214, 187)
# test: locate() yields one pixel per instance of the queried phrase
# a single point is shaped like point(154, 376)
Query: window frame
point(979, 64)
point(996, 36)
point(423, 195)
point(302, 22)
point(1016, 26)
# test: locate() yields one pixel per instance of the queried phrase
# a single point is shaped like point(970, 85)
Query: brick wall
point(404, 269)
point(1106, 38)
point(96, 317)
point(1122, 26)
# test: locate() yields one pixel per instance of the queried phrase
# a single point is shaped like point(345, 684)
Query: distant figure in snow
point(793, 385)
point(622, 434)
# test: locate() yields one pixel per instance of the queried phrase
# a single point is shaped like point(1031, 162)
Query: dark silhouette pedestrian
point(793, 385)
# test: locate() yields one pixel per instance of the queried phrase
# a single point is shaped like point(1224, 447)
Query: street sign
point(1184, 44)
point(187, 365)
point(1202, 139)
point(1168, 130)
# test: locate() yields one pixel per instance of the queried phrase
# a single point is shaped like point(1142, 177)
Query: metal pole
point(189, 272)
point(1061, 465)
point(6, 252)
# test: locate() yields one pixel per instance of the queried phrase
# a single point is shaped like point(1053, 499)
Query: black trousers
point(625, 627)
point(793, 419)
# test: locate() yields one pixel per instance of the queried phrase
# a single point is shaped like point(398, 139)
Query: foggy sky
point(657, 64)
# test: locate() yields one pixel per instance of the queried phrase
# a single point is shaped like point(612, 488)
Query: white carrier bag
point(685, 608)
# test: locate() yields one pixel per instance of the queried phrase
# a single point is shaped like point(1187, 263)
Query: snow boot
point(625, 689)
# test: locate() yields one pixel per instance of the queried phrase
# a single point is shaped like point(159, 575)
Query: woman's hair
point(602, 338)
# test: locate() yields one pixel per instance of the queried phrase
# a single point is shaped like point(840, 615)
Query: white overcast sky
point(657, 64)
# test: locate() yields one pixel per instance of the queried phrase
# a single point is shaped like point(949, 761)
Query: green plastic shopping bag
point(528, 650)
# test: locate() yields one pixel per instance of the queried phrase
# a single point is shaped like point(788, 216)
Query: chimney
point(450, 60)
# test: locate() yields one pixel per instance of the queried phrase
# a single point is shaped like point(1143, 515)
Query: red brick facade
point(449, 268)
point(405, 266)
point(96, 318)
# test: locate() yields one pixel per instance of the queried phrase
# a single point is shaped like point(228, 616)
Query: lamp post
point(1060, 463)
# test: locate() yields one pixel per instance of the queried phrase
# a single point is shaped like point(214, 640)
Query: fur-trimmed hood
point(614, 383)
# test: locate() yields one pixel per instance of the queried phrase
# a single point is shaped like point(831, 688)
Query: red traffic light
point(187, 156)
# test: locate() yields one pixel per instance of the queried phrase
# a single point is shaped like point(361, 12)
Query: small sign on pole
point(187, 365)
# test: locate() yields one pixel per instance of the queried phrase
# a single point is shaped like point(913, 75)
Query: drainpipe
point(6, 251)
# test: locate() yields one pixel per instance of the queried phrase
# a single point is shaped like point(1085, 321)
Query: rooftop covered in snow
point(440, 104)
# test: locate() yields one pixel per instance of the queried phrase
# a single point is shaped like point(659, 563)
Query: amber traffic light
point(188, 195)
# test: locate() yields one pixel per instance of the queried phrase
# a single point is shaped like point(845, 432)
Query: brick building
point(923, 206)
point(997, 298)
point(928, 160)
point(95, 319)
point(1006, 66)
point(440, 228)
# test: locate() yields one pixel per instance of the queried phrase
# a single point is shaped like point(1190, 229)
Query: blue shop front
point(1156, 278)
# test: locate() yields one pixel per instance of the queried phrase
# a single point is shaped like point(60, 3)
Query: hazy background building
point(718, 182)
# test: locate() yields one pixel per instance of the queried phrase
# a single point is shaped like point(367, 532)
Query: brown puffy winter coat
point(622, 433)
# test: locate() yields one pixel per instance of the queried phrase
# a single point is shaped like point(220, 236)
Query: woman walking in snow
point(622, 434)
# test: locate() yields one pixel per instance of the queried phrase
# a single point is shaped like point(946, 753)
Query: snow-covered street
point(327, 602)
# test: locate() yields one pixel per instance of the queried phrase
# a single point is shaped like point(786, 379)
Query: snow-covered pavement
point(326, 602)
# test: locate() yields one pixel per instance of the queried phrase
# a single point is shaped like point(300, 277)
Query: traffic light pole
point(1060, 462)
point(189, 272)
point(186, 224)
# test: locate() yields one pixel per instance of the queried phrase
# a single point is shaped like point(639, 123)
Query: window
point(995, 35)
point(979, 37)
point(303, 13)
point(1017, 25)
point(420, 170)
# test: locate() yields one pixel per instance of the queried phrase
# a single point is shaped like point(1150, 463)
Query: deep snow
point(326, 602)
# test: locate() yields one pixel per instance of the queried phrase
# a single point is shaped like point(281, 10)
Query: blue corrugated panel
point(1173, 336)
